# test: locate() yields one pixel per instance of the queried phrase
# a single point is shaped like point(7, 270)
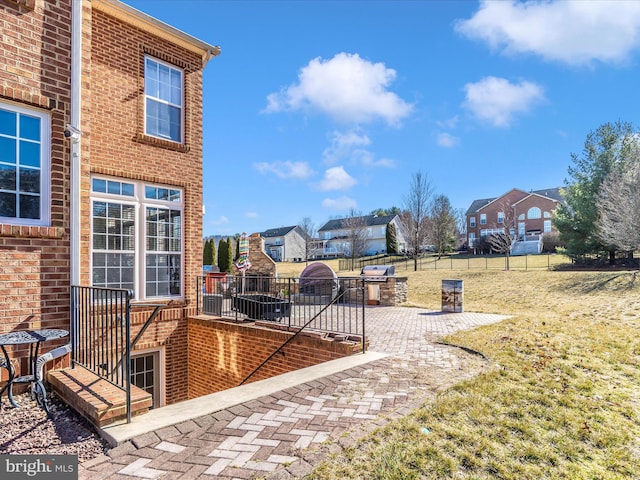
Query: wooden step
point(99, 401)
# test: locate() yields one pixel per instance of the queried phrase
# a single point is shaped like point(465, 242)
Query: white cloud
point(342, 145)
point(347, 87)
point(367, 159)
point(496, 100)
point(342, 203)
point(449, 122)
point(446, 140)
point(297, 170)
point(336, 178)
point(351, 146)
point(251, 215)
point(573, 32)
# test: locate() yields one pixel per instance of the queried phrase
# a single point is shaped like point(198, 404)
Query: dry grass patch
point(561, 402)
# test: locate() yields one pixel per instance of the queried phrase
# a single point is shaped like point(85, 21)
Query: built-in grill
point(377, 273)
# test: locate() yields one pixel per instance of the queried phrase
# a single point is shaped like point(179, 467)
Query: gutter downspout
point(76, 72)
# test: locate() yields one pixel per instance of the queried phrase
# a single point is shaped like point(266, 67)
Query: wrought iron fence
point(333, 305)
point(457, 262)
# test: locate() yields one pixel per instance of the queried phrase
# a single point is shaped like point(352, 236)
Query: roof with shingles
point(370, 221)
point(277, 232)
point(551, 193)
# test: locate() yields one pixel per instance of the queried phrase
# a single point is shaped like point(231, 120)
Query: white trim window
point(534, 213)
point(472, 222)
point(163, 100)
point(25, 145)
point(136, 237)
point(483, 219)
point(547, 226)
point(500, 217)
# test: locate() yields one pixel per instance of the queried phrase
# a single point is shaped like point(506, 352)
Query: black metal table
point(33, 338)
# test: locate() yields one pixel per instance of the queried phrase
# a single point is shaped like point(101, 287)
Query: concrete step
point(99, 401)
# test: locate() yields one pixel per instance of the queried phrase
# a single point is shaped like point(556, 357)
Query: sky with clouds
point(317, 108)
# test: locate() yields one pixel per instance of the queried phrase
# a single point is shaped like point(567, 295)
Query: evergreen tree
point(223, 258)
point(207, 257)
point(392, 239)
point(605, 148)
point(229, 255)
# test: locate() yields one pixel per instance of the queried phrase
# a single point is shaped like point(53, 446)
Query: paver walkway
point(284, 435)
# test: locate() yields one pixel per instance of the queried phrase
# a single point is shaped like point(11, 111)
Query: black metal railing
point(289, 301)
point(100, 334)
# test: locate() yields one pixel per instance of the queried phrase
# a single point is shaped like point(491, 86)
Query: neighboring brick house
point(285, 244)
point(334, 236)
point(522, 215)
point(116, 200)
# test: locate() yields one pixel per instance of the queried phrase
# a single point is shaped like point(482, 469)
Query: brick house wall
point(118, 148)
point(35, 74)
point(223, 354)
point(512, 204)
point(546, 206)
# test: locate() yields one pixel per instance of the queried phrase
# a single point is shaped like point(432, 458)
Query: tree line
point(596, 220)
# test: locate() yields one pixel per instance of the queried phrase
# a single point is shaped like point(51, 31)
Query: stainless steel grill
point(377, 273)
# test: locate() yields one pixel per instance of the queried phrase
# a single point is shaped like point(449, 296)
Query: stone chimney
point(261, 263)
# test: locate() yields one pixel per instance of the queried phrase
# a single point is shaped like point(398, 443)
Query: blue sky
point(317, 107)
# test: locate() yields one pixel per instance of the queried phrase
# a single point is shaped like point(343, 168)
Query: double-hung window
point(137, 240)
point(24, 165)
point(164, 100)
point(483, 219)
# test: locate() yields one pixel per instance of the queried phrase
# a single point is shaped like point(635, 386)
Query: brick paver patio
point(284, 435)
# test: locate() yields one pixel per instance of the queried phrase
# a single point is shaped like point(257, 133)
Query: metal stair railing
point(309, 322)
point(101, 333)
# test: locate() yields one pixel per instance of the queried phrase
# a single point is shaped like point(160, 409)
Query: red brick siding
point(544, 204)
point(35, 73)
point(222, 354)
point(119, 148)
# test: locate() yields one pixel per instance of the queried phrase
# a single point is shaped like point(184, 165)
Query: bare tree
point(500, 242)
point(618, 202)
point(356, 230)
point(309, 241)
point(443, 224)
point(415, 217)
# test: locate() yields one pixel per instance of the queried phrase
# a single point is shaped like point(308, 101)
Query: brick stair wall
point(99, 401)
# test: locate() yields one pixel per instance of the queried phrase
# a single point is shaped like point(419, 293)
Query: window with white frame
point(547, 226)
point(24, 165)
point(137, 241)
point(483, 219)
point(164, 93)
point(472, 222)
point(490, 231)
point(547, 214)
point(533, 213)
point(500, 217)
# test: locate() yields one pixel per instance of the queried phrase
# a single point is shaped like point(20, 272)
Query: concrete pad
point(190, 409)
